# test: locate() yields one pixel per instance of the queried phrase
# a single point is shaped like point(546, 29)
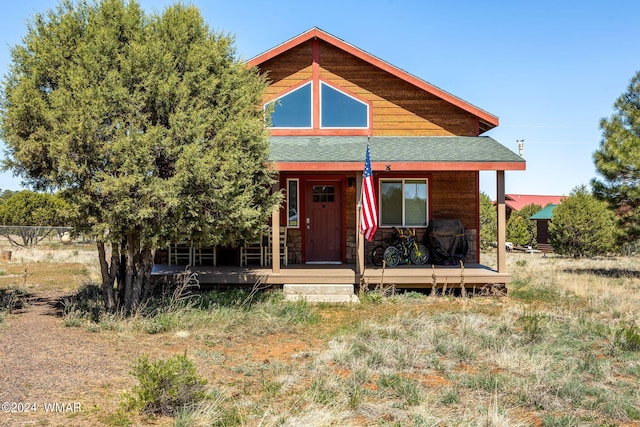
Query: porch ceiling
point(344, 153)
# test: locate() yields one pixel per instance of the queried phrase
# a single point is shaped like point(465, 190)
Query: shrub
point(86, 303)
point(583, 226)
point(12, 299)
point(165, 386)
point(532, 324)
point(520, 229)
point(627, 337)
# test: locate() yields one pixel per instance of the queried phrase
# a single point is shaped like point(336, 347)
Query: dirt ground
point(43, 363)
point(55, 375)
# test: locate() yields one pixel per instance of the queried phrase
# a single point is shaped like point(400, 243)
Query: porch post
point(359, 237)
point(501, 222)
point(275, 240)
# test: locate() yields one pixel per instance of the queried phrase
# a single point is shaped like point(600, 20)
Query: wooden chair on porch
point(284, 254)
point(252, 251)
point(205, 255)
point(181, 253)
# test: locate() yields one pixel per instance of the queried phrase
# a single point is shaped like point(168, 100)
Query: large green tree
point(582, 225)
point(618, 160)
point(149, 125)
point(33, 214)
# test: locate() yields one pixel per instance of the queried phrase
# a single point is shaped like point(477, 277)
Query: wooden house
point(330, 99)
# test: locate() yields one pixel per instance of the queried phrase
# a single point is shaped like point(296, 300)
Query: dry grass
point(44, 268)
point(549, 353)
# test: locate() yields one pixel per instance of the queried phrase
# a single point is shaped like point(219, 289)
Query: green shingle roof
point(546, 213)
point(390, 149)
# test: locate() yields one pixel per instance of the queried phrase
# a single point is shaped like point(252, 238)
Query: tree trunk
point(108, 274)
point(137, 280)
point(122, 272)
point(130, 272)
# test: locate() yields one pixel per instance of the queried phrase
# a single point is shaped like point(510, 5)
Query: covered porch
point(279, 273)
point(407, 276)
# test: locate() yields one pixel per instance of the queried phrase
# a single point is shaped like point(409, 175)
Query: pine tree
point(583, 226)
point(618, 160)
point(488, 220)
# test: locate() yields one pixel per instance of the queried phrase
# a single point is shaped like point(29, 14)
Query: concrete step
point(320, 293)
point(319, 289)
point(323, 298)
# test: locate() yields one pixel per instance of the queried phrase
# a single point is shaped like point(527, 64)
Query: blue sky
point(549, 69)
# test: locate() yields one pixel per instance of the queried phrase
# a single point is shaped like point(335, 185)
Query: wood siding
point(398, 107)
point(453, 195)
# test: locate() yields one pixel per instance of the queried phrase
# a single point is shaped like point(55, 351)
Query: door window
point(323, 194)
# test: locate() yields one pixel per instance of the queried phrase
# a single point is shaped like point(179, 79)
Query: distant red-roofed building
point(515, 202)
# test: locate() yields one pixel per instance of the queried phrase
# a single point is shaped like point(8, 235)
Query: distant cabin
point(542, 219)
point(515, 202)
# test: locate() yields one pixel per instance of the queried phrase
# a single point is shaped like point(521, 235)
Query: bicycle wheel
point(392, 256)
point(419, 254)
point(377, 255)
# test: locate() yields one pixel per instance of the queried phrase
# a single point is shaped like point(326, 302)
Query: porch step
point(320, 293)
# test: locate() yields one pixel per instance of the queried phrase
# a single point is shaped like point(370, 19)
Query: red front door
point(322, 222)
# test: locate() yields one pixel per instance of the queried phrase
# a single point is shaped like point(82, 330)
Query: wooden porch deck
point(408, 276)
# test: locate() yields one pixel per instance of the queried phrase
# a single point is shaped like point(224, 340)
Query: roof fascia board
point(398, 166)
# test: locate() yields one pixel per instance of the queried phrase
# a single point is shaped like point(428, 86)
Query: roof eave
point(398, 166)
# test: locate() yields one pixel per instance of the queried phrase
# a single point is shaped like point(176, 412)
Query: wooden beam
point(501, 222)
point(359, 237)
point(275, 240)
point(315, 47)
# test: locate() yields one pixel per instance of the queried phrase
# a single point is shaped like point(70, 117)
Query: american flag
point(369, 211)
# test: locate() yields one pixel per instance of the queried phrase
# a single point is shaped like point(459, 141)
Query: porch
point(407, 276)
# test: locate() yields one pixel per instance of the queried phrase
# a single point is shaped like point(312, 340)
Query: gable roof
point(488, 120)
point(518, 201)
point(346, 153)
point(546, 213)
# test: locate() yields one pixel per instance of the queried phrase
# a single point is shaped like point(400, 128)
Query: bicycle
point(401, 249)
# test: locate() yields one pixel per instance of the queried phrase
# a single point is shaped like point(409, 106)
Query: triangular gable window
point(339, 110)
point(293, 109)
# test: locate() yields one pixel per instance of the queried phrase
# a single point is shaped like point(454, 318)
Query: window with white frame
point(337, 109)
point(404, 202)
point(293, 215)
point(293, 109)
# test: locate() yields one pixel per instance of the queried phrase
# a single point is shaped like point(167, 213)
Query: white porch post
point(501, 223)
point(359, 237)
point(275, 240)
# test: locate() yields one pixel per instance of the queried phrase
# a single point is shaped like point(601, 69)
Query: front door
point(322, 222)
